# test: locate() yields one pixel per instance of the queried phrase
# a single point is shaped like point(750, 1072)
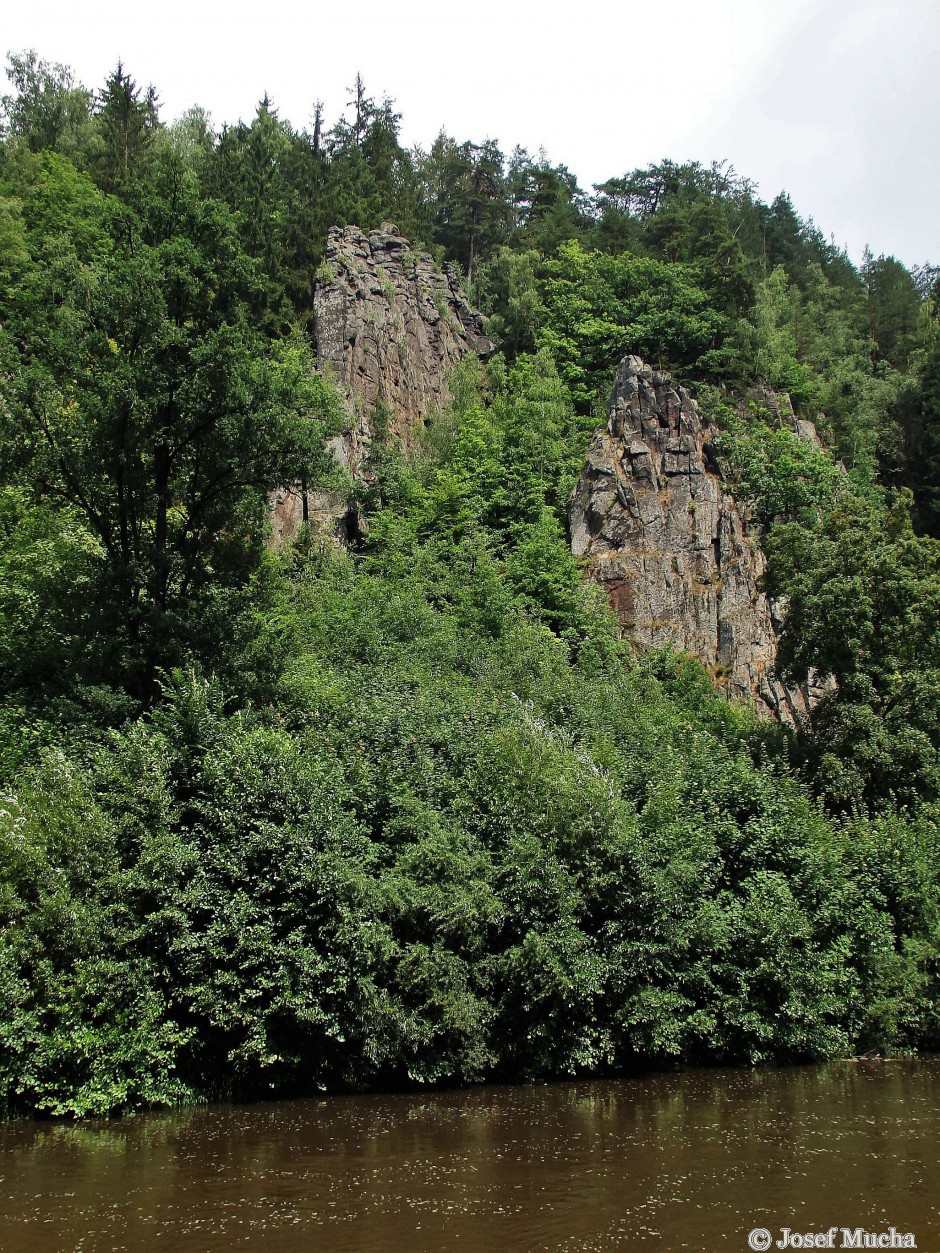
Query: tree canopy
point(412, 810)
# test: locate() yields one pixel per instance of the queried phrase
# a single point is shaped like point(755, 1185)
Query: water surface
point(684, 1161)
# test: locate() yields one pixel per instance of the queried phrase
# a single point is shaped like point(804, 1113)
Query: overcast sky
point(836, 101)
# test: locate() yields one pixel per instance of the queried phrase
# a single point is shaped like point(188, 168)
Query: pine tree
point(126, 121)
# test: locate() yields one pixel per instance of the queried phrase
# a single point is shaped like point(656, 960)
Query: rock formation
point(389, 326)
point(657, 527)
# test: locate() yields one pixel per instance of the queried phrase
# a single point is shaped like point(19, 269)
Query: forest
point(282, 820)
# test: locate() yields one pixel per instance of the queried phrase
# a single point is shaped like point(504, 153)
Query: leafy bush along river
point(442, 854)
point(277, 822)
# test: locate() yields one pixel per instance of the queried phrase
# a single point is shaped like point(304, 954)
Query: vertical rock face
point(657, 527)
point(389, 327)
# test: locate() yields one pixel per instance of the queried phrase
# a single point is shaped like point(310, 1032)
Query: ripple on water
point(683, 1161)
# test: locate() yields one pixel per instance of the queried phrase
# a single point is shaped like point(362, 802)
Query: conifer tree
point(126, 121)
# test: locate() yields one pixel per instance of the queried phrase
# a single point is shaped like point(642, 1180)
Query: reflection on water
point(685, 1161)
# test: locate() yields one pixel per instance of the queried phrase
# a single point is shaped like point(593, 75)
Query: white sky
point(836, 101)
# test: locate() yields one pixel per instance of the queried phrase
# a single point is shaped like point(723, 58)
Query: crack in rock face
point(656, 525)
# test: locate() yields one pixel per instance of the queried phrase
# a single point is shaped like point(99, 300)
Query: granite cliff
point(657, 527)
point(652, 516)
point(389, 326)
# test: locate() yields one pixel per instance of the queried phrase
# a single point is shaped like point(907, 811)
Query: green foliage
point(599, 307)
point(863, 598)
point(47, 565)
point(125, 125)
point(276, 822)
point(814, 341)
point(437, 862)
point(86, 1028)
point(548, 207)
point(918, 416)
point(508, 291)
point(894, 310)
point(701, 217)
point(48, 110)
point(138, 394)
point(768, 339)
point(465, 201)
point(781, 475)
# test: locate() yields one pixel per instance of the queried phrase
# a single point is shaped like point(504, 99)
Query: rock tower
point(657, 527)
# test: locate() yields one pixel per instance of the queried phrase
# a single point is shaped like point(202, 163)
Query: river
point(692, 1160)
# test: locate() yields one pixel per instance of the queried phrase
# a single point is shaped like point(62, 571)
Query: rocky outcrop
point(389, 327)
point(327, 513)
point(656, 526)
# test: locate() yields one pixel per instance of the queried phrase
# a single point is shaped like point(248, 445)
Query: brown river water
point(693, 1160)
